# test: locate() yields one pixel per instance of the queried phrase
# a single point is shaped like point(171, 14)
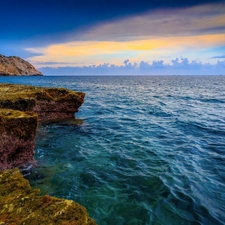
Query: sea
point(143, 150)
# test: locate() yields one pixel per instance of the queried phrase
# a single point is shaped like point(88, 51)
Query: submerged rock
point(21, 205)
point(15, 66)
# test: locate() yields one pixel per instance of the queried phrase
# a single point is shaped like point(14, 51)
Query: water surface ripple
point(144, 150)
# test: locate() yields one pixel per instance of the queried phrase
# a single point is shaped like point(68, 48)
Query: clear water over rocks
point(143, 150)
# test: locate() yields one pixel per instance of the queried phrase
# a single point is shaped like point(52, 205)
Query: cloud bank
point(177, 66)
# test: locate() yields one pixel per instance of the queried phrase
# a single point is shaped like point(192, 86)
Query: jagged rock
point(22, 205)
point(15, 66)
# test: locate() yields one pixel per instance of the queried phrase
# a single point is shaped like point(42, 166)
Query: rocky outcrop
point(15, 66)
point(21, 205)
point(50, 104)
point(21, 107)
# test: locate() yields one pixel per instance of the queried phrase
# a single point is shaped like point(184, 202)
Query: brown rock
point(15, 66)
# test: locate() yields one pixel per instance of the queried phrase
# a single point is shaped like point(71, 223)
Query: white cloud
point(177, 66)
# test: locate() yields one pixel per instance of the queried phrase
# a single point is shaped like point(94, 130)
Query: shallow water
point(144, 150)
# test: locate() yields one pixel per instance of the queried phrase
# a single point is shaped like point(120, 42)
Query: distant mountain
point(15, 66)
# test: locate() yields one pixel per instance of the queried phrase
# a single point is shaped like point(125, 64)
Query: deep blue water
point(143, 150)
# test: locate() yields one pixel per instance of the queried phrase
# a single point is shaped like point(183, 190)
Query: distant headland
point(15, 66)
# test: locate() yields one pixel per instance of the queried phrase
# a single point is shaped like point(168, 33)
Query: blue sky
point(80, 37)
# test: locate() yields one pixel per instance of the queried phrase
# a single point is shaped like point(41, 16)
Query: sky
point(119, 37)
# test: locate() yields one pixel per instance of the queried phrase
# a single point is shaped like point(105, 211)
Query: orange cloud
point(83, 51)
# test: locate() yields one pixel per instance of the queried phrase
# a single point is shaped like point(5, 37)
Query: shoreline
point(22, 107)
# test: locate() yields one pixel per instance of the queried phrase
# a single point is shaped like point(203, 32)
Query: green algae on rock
point(21, 205)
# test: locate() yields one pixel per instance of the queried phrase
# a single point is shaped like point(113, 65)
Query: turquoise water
point(143, 150)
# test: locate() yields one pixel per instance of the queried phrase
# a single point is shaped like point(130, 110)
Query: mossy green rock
point(22, 205)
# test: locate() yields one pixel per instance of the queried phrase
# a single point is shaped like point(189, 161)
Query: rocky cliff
point(17, 133)
point(21, 107)
point(15, 66)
